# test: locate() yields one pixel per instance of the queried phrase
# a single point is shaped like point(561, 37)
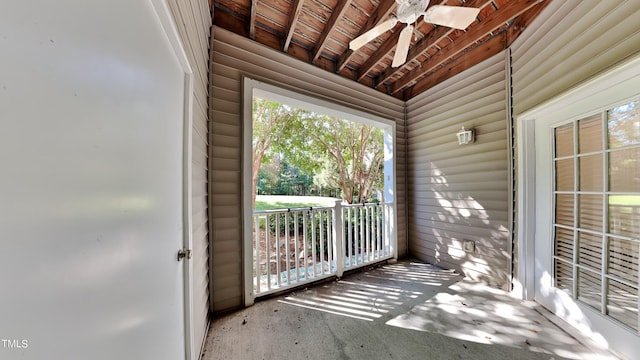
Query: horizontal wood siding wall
point(193, 21)
point(461, 192)
point(234, 56)
point(570, 42)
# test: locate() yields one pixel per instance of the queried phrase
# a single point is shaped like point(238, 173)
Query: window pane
point(564, 175)
point(591, 173)
point(624, 215)
point(590, 250)
point(564, 276)
point(564, 140)
point(622, 303)
point(590, 212)
point(624, 125)
point(564, 243)
point(624, 170)
point(623, 259)
point(564, 209)
point(590, 134)
point(589, 288)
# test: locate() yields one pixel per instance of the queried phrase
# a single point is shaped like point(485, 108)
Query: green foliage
point(279, 177)
point(292, 144)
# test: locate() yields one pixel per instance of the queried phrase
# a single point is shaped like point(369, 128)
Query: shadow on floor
point(407, 310)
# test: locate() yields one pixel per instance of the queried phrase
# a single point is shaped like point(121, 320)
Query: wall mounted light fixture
point(465, 136)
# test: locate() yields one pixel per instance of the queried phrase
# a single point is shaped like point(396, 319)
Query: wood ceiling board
point(380, 14)
point(252, 19)
point(502, 16)
point(232, 22)
point(294, 13)
point(272, 17)
point(500, 3)
point(278, 25)
point(241, 7)
point(436, 34)
point(330, 27)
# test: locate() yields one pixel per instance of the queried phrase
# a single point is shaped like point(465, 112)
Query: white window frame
point(251, 88)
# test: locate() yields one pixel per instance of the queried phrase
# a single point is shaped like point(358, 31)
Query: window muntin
point(597, 211)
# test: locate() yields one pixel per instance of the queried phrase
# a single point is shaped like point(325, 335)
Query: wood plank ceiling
point(319, 31)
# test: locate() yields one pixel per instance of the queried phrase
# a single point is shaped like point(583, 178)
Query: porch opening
point(296, 244)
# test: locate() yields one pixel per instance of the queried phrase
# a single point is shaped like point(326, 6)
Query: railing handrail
point(288, 210)
point(311, 208)
point(365, 204)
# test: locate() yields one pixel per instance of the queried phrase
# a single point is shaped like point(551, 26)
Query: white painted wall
point(91, 147)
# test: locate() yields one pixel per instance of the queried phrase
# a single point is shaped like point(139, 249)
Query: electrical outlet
point(469, 246)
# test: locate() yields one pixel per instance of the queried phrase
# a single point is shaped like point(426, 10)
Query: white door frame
point(618, 84)
point(168, 23)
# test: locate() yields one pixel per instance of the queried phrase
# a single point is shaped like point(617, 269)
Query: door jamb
point(170, 29)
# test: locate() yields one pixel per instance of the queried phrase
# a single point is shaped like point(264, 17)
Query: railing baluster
point(322, 239)
point(305, 237)
point(330, 239)
point(278, 280)
point(312, 217)
point(338, 238)
point(286, 246)
point(370, 233)
point(387, 231)
point(350, 237)
point(268, 246)
point(378, 231)
point(360, 257)
point(295, 245)
point(256, 247)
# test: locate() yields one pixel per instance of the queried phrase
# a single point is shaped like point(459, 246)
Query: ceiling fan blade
point(457, 17)
point(402, 49)
point(376, 31)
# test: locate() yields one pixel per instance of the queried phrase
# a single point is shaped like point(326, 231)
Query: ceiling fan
point(457, 17)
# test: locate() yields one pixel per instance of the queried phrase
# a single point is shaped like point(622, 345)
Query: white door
point(91, 182)
point(587, 207)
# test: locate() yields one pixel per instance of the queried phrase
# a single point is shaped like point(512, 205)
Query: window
point(597, 211)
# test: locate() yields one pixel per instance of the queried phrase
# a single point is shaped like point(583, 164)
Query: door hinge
point(184, 253)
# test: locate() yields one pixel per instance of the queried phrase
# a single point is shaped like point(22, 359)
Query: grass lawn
point(269, 202)
point(624, 200)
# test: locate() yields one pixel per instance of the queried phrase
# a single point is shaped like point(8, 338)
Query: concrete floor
point(407, 310)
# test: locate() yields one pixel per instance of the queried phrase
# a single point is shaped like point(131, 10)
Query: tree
point(342, 154)
point(270, 122)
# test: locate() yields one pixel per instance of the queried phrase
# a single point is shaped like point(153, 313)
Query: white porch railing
point(297, 246)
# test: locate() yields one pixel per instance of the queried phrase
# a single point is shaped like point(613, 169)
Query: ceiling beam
point(499, 18)
point(489, 48)
point(382, 52)
point(377, 56)
point(477, 55)
point(431, 39)
point(296, 8)
point(336, 15)
point(252, 19)
point(382, 12)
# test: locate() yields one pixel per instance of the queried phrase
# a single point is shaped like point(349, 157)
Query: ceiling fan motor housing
point(410, 10)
